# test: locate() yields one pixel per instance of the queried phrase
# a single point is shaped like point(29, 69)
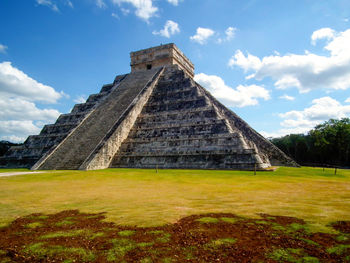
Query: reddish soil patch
point(342, 226)
point(71, 236)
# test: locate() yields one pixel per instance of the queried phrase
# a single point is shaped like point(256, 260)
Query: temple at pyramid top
point(160, 56)
point(155, 116)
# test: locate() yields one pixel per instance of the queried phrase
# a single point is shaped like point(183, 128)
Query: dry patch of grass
point(309, 193)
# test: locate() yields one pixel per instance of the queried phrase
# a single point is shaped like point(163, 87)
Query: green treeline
point(326, 144)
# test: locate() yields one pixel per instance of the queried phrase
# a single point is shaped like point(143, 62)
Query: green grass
point(120, 248)
point(230, 220)
point(222, 242)
point(65, 223)
point(308, 193)
point(63, 234)
point(34, 225)
point(42, 251)
point(288, 255)
point(126, 233)
point(342, 238)
point(208, 220)
point(338, 250)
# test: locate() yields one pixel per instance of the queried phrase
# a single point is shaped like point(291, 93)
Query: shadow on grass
point(197, 238)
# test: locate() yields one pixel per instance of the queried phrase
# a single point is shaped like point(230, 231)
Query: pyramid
point(155, 116)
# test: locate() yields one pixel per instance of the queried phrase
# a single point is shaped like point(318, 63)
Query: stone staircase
point(82, 141)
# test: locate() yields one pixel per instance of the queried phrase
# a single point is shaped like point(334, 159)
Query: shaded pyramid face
point(150, 118)
point(183, 126)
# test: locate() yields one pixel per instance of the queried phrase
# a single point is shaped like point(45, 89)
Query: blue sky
point(283, 66)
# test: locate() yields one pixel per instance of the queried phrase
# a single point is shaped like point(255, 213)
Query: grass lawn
point(146, 198)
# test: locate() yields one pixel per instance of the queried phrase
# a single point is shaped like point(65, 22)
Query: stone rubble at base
point(155, 116)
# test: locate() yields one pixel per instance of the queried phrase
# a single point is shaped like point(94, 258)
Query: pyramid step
point(166, 100)
point(177, 124)
point(189, 104)
point(196, 161)
point(60, 128)
point(71, 117)
point(83, 107)
point(174, 113)
point(174, 123)
point(182, 143)
point(182, 152)
point(175, 94)
point(198, 146)
point(185, 138)
point(187, 130)
point(94, 98)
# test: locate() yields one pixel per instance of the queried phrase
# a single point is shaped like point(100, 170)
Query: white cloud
point(173, 2)
point(80, 99)
point(21, 110)
point(49, 4)
point(3, 48)
point(115, 15)
point(321, 110)
point(307, 71)
point(17, 131)
point(323, 33)
point(14, 82)
point(248, 62)
point(287, 97)
point(101, 4)
point(144, 8)
point(240, 97)
point(202, 35)
point(347, 100)
point(229, 33)
point(20, 118)
point(125, 11)
point(170, 28)
point(69, 3)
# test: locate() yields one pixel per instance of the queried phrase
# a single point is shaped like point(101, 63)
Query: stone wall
point(160, 56)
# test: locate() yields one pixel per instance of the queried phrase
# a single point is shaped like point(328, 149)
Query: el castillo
point(155, 116)
point(153, 168)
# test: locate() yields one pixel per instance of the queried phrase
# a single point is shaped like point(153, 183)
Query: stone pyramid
point(156, 116)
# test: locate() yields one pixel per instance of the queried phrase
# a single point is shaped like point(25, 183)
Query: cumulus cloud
point(173, 2)
point(302, 121)
point(17, 131)
point(229, 35)
point(347, 100)
point(170, 28)
point(287, 97)
point(14, 82)
point(101, 4)
point(241, 96)
point(144, 8)
point(323, 33)
point(21, 110)
point(3, 48)
point(202, 35)
point(19, 116)
point(307, 71)
point(49, 4)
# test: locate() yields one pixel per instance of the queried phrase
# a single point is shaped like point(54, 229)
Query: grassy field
point(146, 198)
